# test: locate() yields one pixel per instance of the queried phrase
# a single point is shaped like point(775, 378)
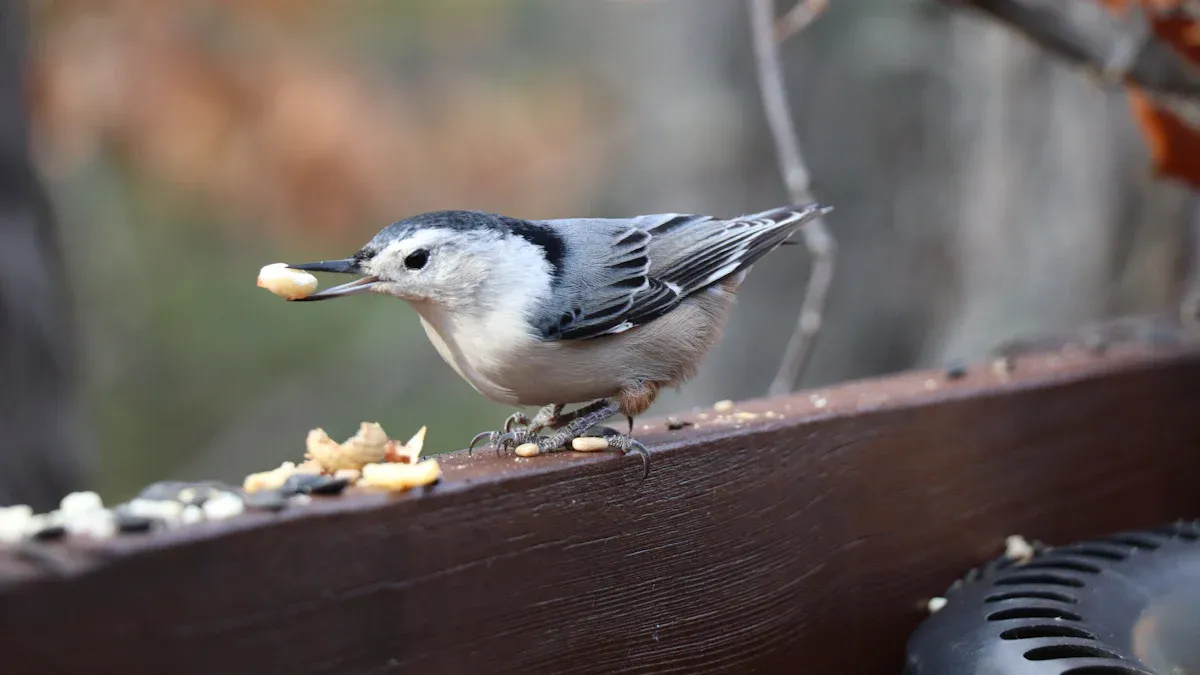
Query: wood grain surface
point(804, 541)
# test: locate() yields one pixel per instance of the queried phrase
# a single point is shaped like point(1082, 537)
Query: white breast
point(486, 336)
point(479, 349)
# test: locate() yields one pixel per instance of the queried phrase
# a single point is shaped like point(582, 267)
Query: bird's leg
point(584, 419)
point(548, 416)
point(596, 413)
point(561, 419)
point(516, 419)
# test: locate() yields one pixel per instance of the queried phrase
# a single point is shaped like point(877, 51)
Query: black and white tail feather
point(658, 261)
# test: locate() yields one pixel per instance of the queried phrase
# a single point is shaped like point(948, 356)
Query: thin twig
point(820, 243)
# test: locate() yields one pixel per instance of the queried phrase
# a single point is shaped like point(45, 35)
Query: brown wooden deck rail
point(801, 542)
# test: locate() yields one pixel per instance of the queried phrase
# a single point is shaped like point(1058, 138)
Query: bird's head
point(442, 257)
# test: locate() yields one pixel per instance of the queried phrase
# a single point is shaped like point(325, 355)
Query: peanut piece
point(368, 446)
point(269, 480)
point(408, 452)
point(416, 443)
point(528, 450)
point(310, 466)
point(398, 476)
point(1016, 548)
point(589, 443)
point(286, 282)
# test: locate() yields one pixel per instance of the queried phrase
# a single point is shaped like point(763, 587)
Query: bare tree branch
point(1113, 48)
point(820, 243)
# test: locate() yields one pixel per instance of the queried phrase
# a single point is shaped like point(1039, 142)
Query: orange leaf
point(1174, 144)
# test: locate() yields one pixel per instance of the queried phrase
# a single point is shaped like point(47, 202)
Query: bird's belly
point(546, 376)
point(511, 368)
point(535, 374)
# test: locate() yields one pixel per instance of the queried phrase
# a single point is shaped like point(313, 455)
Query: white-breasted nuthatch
point(555, 312)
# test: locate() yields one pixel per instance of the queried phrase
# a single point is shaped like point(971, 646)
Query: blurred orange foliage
point(239, 107)
point(1174, 142)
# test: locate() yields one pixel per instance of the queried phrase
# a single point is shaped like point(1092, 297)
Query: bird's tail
point(807, 213)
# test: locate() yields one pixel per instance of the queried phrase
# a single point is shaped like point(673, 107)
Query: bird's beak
point(345, 266)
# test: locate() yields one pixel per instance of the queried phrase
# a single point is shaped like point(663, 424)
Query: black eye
point(417, 259)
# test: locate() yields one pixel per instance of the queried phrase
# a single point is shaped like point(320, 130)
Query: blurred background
point(982, 189)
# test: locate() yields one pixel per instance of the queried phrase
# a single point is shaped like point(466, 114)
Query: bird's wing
point(659, 260)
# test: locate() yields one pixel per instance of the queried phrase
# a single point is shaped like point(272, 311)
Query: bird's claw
point(509, 441)
point(628, 444)
point(503, 441)
point(489, 435)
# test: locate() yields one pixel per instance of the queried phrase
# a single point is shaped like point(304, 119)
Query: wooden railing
point(795, 535)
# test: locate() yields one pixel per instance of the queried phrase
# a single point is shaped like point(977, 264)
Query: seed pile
point(368, 459)
point(166, 505)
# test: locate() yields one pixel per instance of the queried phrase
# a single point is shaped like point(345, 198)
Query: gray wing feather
point(659, 260)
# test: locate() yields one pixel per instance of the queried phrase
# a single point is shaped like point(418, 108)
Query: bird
point(604, 312)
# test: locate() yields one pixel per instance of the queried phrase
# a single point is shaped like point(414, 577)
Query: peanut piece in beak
point(286, 282)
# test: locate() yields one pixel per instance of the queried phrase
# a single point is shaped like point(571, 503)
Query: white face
point(432, 265)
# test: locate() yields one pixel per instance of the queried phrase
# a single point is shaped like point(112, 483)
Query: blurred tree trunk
point(39, 439)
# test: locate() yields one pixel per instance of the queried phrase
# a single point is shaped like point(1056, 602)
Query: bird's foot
point(503, 441)
point(518, 429)
point(598, 438)
point(573, 434)
point(628, 444)
point(584, 435)
point(625, 443)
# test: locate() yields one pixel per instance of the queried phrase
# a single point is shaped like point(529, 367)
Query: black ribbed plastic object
point(1124, 604)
